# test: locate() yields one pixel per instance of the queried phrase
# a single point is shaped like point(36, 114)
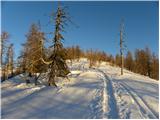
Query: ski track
point(112, 104)
point(143, 108)
point(123, 105)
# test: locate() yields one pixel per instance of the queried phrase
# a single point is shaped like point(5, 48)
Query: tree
point(77, 52)
point(34, 50)
point(118, 60)
point(101, 56)
point(140, 62)
point(148, 60)
point(58, 66)
point(154, 73)
point(22, 59)
point(10, 62)
point(129, 62)
point(110, 59)
point(122, 45)
point(32, 57)
point(146, 64)
point(4, 38)
point(91, 56)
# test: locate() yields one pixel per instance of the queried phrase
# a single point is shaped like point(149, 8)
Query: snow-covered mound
point(88, 93)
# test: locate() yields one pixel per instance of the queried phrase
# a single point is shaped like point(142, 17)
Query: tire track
point(145, 111)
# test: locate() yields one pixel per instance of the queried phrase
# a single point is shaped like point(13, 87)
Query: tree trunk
point(51, 82)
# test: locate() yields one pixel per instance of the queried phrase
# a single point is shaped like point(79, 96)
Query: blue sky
point(99, 23)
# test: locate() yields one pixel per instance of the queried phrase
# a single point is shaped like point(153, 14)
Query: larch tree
point(101, 56)
point(148, 60)
point(78, 52)
point(129, 62)
point(111, 60)
point(70, 54)
point(34, 51)
point(4, 38)
point(140, 62)
point(58, 66)
point(154, 67)
point(91, 56)
point(22, 59)
point(118, 60)
point(10, 62)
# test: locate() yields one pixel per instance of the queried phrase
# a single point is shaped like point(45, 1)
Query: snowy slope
point(89, 93)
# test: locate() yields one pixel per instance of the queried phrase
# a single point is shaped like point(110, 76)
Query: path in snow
point(134, 104)
point(136, 95)
point(112, 111)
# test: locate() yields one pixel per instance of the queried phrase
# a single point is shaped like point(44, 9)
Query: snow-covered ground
point(88, 93)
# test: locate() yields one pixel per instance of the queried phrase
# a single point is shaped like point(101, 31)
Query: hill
point(99, 92)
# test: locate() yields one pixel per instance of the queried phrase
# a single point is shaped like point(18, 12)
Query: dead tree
point(122, 45)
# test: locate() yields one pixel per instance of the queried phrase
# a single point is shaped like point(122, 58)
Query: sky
point(96, 24)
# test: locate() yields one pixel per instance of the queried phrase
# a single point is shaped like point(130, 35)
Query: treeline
point(94, 56)
point(142, 61)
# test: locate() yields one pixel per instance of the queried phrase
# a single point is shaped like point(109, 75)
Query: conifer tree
point(91, 56)
point(4, 38)
point(118, 60)
point(129, 61)
point(154, 67)
point(148, 60)
point(58, 66)
point(34, 50)
point(9, 57)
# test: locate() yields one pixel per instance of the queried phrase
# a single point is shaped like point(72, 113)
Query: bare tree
point(4, 38)
point(122, 46)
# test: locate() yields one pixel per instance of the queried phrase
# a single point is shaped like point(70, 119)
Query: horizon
point(97, 29)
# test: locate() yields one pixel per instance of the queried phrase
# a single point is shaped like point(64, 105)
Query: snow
point(88, 93)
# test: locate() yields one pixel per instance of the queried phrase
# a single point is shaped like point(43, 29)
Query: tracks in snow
point(109, 103)
point(109, 99)
point(143, 108)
